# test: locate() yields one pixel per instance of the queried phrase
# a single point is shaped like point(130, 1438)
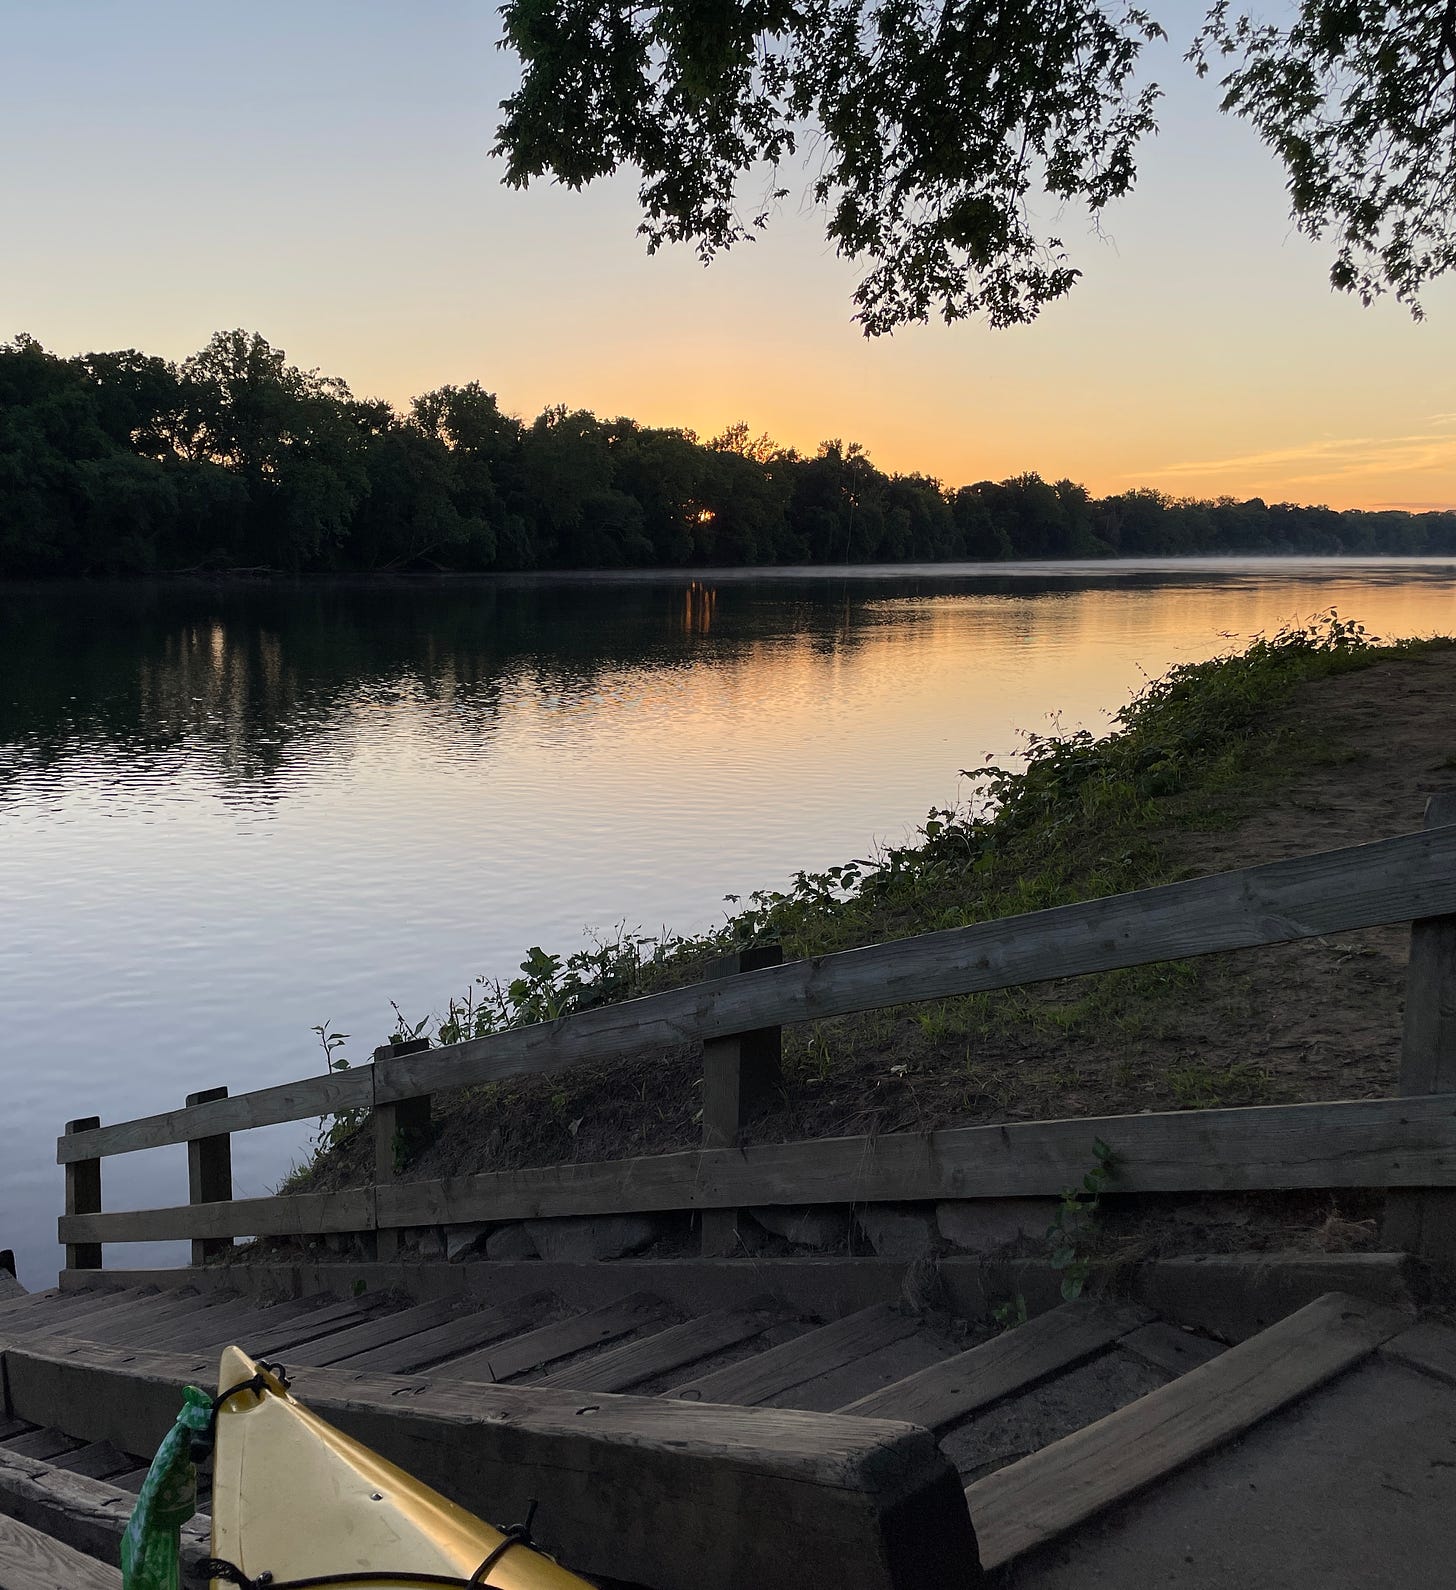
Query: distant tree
point(941, 132)
point(664, 471)
point(1136, 524)
point(484, 451)
point(412, 515)
point(980, 535)
point(739, 508)
point(1079, 520)
point(738, 439)
point(137, 399)
point(1032, 515)
point(838, 503)
point(582, 520)
point(295, 437)
point(485, 442)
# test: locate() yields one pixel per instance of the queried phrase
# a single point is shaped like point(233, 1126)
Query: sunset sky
point(321, 173)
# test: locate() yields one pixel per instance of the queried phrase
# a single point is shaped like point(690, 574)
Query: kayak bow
point(296, 1502)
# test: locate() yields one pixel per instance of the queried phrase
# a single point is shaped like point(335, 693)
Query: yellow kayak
point(295, 1499)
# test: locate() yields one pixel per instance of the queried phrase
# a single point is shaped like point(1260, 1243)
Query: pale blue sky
point(320, 172)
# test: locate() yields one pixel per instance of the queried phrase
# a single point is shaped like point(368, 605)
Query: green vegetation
point(1070, 1233)
point(1071, 1238)
point(1200, 1087)
point(335, 1129)
point(122, 463)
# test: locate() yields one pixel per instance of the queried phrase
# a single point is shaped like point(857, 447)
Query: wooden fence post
point(740, 1073)
point(401, 1130)
point(83, 1197)
point(209, 1176)
point(1423, 1222)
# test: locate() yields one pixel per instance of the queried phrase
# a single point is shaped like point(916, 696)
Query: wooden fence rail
point(738, 1012)
point(1356, 1143)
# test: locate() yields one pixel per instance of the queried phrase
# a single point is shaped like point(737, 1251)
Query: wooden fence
point(1406, 1143)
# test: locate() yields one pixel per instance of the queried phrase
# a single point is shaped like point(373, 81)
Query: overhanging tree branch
point(946, 124)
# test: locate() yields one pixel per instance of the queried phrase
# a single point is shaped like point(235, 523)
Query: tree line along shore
point(123, 463)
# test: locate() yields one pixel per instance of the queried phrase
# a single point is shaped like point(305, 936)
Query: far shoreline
point(1112, 568)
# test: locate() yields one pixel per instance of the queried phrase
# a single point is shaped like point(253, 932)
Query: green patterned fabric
point(150, 1546)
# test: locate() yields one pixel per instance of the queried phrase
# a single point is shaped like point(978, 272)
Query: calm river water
point(230, 813)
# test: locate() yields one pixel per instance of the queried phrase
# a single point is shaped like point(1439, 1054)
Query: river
point(231, 812)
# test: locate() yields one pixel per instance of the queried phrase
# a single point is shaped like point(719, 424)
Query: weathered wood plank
point(30, 1560)
point(401, 1130)
point(290, 1335)
point(455, 1336)
point(141, 1315)
point(1427, 1347)
point(741, 1073)
point(29, 1302)
point(1359, 1143)
point(279, 1329)
point(83, 1193)
point(297, 1215)
point(209, 1175)
point(167, 1333)
point(288, 1101)
point(1033, 1501)
point(1391, 880)
point(661, 1353)
point(202, 1332)
point(1424, 1222)
point(80, 1315)
point(756, 1379)
point(98, 1460)
point(85, 1513)
point(559, 1340)
point(163, 1328)
point(51, 1307)
point(341, 1344)
point(1166, 1347)
point(641, 1489)
point(944, 1393)
point(45, 1442)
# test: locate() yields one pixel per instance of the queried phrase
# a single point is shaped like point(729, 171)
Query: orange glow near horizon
point(1338, 405)
point(1202, 353)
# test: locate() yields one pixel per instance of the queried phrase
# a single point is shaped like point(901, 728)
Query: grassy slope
point(1200, 753)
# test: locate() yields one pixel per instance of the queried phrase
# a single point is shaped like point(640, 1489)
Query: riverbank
point(1312, 740)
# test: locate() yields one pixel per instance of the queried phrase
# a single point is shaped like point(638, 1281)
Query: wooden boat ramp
point(870, 1449)
point(704, 1420)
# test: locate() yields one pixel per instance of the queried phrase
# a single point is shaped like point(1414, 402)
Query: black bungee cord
point(512, 1535)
